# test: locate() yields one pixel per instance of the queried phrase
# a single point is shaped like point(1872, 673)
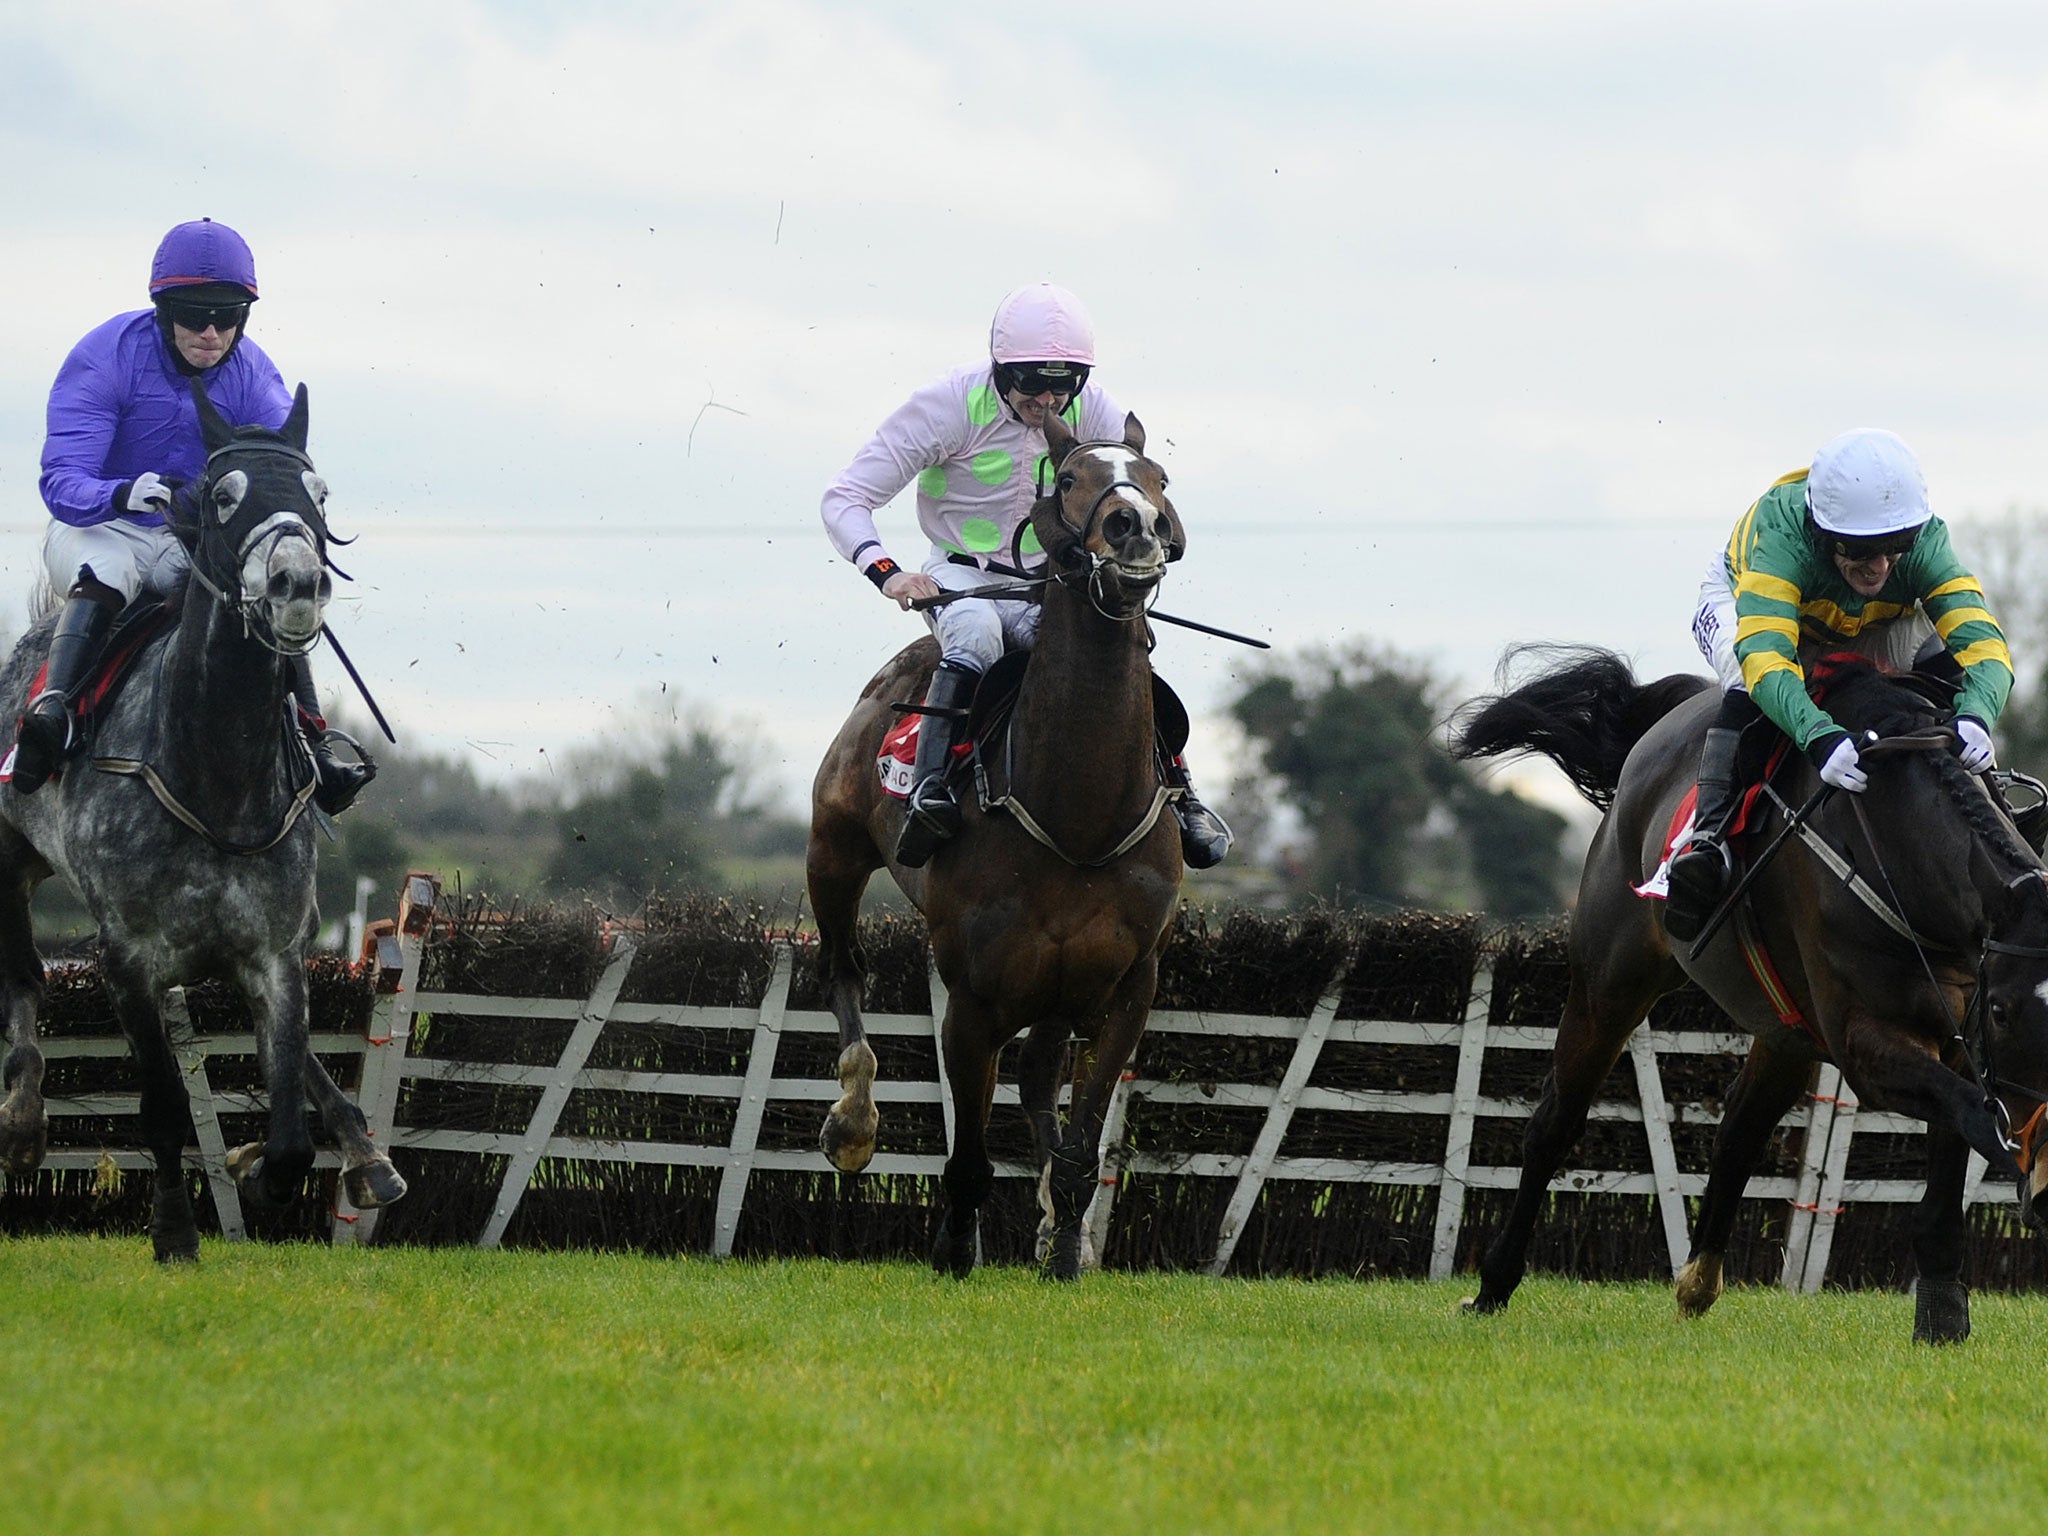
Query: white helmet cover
point(1042, 323)
point(1866, 483)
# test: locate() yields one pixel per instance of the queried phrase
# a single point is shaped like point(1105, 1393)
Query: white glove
point(147, 493)
point(1977, 755)
point(1843, 769)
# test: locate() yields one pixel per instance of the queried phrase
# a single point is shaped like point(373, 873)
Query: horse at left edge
point(184, 823)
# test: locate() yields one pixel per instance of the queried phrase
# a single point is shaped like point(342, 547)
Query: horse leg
point(1941, 1302)
point(1074, 1175)
point(24, 1125)
point(1769, 1084)
point(272, 1171)
point(1589, 1041)
point(837, 865)
point(1890, 1069)
point(166, 1111)
point(1038, 1086)
point(366, 1173)
point(970, 1068)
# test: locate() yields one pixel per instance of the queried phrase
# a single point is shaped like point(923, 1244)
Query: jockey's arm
point(84, 414)
point(911, 440)
point(1955, 605)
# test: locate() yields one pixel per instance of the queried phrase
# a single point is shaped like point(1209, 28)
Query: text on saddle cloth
point(898, 756)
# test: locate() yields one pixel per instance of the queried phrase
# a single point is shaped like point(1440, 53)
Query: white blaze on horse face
point(1123, 462)
point(228, 492)
point(281, 569)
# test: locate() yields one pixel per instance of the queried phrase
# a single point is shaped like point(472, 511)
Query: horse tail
point(1585, 712)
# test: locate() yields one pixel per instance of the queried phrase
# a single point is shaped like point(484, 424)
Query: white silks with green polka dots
point(976, 467)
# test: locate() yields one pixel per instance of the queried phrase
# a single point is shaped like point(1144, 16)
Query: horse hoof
point(1698, 1286)
point(1063, 1259)
point(178, 1251)
point(1941, 1312)
point(950, 1257)
point(373, 1184)
point(1482, 1305)
point(845, 1146)
point(24, 1136)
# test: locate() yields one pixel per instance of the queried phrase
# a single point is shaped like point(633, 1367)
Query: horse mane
point(1862, 696)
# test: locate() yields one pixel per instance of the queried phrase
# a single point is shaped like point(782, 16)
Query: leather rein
point(1974, 1032)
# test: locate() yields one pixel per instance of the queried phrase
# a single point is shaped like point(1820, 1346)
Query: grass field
point(298, 1389)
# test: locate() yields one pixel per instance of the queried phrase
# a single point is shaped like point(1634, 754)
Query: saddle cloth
point(139, 624)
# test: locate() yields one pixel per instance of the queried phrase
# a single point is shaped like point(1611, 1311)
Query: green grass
point(303, 1390)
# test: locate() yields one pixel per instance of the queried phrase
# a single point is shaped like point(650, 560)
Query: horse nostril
point(1162, 529)
point(279, 589)
point(1119, 525)
point(326, 588)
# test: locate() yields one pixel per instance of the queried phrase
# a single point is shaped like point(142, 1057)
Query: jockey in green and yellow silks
point(1843, 556)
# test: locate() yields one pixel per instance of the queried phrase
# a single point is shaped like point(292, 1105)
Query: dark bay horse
point(1948, 1025)
point(1052, 937)
point(191, 850)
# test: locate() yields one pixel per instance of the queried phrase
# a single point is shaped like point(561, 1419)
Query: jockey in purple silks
point(973, 440)
point(123, 441)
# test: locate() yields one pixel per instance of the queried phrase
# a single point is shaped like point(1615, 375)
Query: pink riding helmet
point(1042, 323)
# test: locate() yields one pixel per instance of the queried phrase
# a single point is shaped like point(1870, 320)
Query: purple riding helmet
point(203, 260)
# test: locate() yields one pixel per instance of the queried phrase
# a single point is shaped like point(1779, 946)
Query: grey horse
point(190, 845)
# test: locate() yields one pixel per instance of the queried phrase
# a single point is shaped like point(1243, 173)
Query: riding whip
point(361, 687)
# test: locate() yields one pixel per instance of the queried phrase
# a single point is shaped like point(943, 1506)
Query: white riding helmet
point(1865, 484)
point(1042, 323)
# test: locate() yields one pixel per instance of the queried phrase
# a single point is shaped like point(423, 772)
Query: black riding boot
point(45, 733)
point(339, 782)
point(1699, 876)
point(1205, 837)
point(933, 815)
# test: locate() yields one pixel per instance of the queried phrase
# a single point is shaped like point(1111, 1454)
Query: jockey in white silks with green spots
point(974, 441)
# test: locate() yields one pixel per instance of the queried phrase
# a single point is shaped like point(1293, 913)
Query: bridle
point(1077, 558)
point(221, 551)
point(1976, 1032)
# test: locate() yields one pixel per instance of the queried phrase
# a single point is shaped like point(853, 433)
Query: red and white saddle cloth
point(898, 757)
point(1755, 954)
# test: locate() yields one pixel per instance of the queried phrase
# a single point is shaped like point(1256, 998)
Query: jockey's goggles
point(197, 317)
point(1034, 379)
point(1883, 547)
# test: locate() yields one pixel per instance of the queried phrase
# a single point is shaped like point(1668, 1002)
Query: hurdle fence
point(1812, 1197)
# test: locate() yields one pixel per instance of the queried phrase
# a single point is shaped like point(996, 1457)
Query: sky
point(1456, 325)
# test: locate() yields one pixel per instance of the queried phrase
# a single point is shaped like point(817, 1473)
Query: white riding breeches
point(1892, 644)
point(975, 633)
point(128, 556)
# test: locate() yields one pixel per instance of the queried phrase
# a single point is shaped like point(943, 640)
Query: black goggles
point(197, 317)
point(1034, 379)
point(1886, 546)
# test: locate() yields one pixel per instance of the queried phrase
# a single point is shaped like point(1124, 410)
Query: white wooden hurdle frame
point(1818, 1194)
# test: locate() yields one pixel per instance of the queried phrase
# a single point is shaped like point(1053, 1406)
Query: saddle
point(988, 722)
point(135, 627)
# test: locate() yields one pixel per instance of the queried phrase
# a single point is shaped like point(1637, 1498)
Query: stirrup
point(1205, 837)
point(931, 820)
point(1693, 893)
point(338, 783)
point(36, 757)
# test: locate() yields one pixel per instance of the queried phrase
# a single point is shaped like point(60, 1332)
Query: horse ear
point(213, 426)
point(1059, 442)
point(1134, 432)
point(294, 429)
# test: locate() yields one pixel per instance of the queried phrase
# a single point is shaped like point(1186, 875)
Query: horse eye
point(315, 487)
point(1066, 483)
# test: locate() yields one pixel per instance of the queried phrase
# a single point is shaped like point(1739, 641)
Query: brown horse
point(1050, 923)
point(1908, 925)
